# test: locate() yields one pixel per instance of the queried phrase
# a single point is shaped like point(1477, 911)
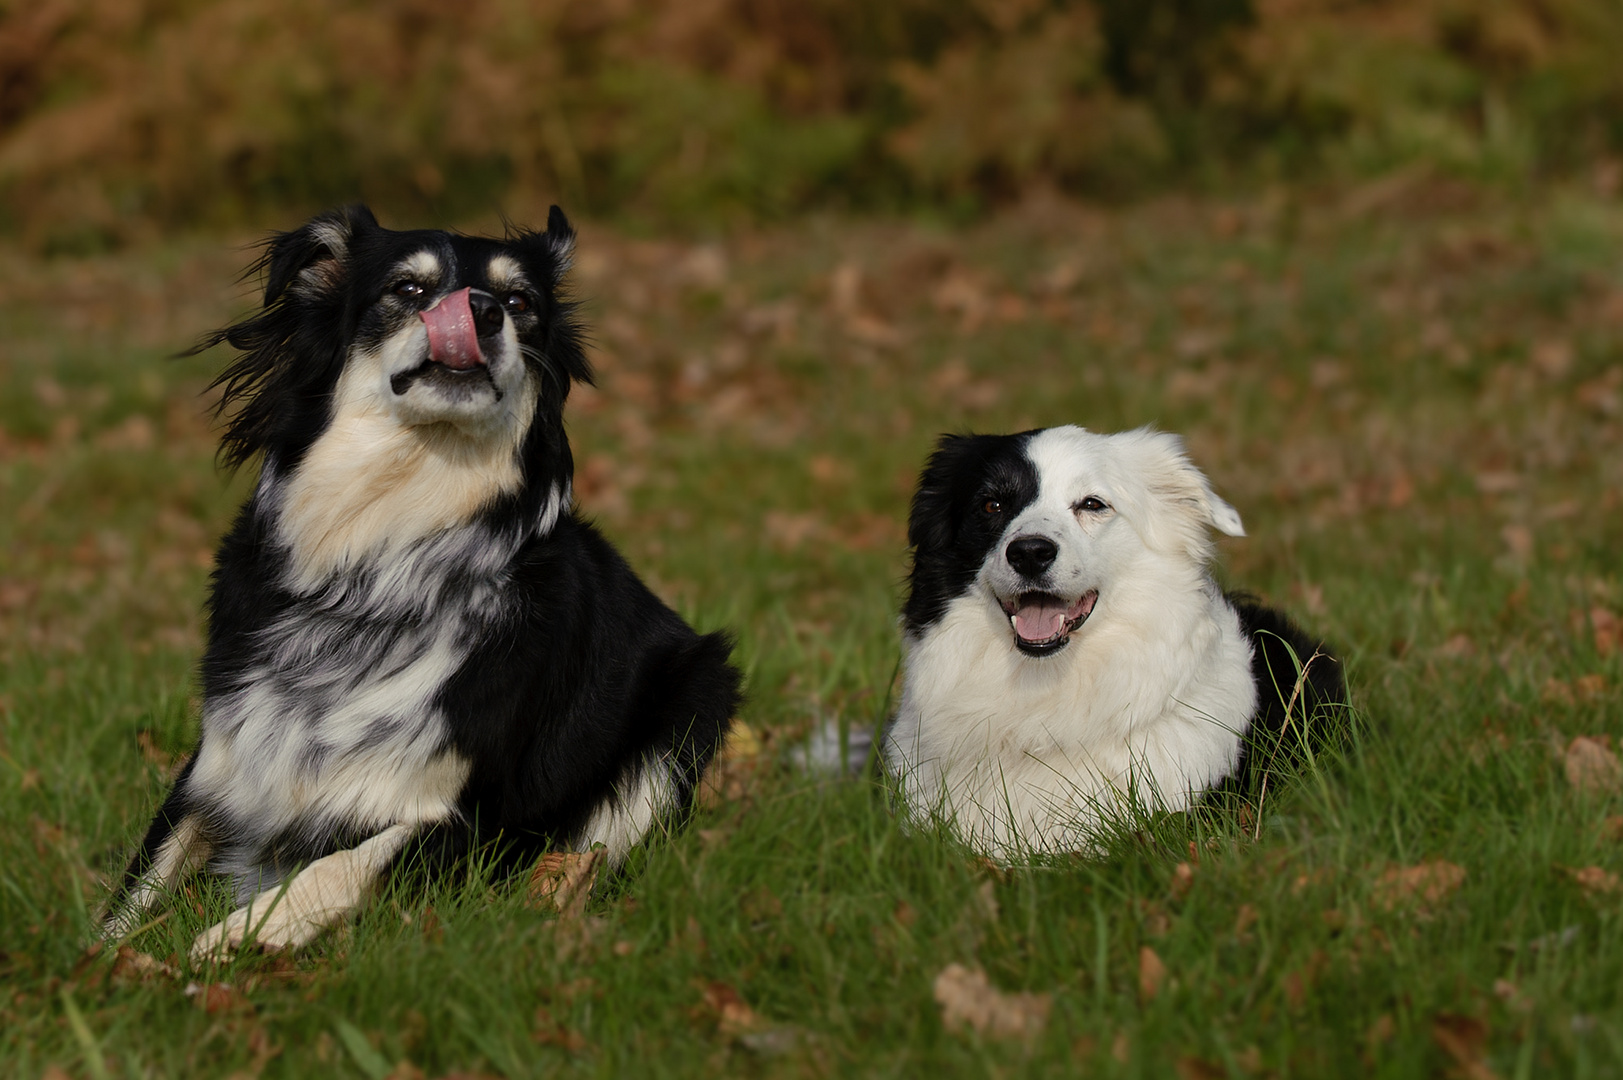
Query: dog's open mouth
point(1043, 623)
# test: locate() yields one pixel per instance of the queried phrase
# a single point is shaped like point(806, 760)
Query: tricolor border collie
point(1067, 653)
point(414, 645)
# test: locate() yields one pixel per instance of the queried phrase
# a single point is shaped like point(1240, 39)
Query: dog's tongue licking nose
point(452, 339)
point(1040, 618)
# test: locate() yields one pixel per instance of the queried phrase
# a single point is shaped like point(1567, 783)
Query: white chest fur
point(1021, 754)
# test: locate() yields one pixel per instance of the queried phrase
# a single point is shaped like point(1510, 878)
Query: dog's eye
point(991, 506)
point(1092, 504)
point(408, 289)
point(516, 302)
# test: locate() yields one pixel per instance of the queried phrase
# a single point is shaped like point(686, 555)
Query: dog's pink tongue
point(1040, 619)
point(452, 340)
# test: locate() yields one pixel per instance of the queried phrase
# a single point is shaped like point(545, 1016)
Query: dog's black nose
point(487, 314)
point(1031, 555)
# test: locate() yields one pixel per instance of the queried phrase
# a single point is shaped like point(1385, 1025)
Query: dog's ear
point(312, 258)
point(932, 524)
point(560, 237)
point(1174, 483)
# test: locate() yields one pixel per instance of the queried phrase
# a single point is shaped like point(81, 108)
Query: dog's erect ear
point(311, 259)
point(561, 241)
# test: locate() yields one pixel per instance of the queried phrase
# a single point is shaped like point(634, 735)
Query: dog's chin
point(458, 385)
point(1043, 623)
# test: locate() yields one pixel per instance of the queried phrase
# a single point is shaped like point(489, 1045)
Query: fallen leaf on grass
point(967, 998)
point(1511, 995)
point(1420, 886)
point(139, 966)
point(1595, 881)
point(1590, 765)
point(563, 880)
point(215, 997)
point(551, 1032)
point(1612, 827)
point(1194, 1068)
point(1608, 630)
point(733, 1015)
point(1463, 1038)
point(1152, 973)
point(732, 772)
point(1183, 879)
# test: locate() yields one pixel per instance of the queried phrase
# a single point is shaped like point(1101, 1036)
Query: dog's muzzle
point(1043, 623)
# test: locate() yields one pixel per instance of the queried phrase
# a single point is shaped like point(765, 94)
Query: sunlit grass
point(1417, 412)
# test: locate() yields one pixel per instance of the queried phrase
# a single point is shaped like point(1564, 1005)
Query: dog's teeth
point(1014, 623)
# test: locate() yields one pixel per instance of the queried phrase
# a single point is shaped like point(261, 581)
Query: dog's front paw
point(270, 931)
point(225, 937)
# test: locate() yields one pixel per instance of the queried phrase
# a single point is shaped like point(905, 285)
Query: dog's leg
point(641, 798)
point(174, 844)
point(316, 897)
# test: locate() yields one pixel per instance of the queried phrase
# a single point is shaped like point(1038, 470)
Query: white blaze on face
point(392, 468)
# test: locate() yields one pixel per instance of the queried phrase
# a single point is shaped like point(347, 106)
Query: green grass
point(1415, 407)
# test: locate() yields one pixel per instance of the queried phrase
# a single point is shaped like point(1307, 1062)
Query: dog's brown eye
point(992, 506)
point(517, 302)
point(408, 289)
point(1092, 505)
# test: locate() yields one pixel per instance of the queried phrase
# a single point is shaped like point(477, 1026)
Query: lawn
point(1413, 393)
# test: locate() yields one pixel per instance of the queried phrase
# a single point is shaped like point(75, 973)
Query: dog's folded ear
point(932, 524)
point(1177, 485)
point(311, 258)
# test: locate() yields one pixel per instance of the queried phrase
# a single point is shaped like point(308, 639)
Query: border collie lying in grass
point(414, 645)
point(1067, 650)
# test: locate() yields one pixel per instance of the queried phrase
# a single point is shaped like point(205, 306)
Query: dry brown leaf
point(1612, 827)
point(1183, 879)
point(967, 998)
point(139, 966)
point(549, 1031)
point(1152, 973)
point(1194, 1068)
point(1590, 765)
point(1589, 687)
point(1244, 919)
point(563, 880)
point(1608, 630)
point(1421, 886)
point(216, 997)
point(55, 1072)
point(733, 1015)
point(1463, 1038)
point(1595, 880)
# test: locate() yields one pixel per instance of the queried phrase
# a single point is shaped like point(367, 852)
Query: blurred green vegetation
point(119, 118)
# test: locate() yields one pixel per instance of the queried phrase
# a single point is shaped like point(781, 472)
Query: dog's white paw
point(272, 930)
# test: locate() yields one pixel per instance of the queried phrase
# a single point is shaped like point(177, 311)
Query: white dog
point(1067, 649)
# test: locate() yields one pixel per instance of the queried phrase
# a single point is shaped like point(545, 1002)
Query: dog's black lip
point(1049, 646)
point(402, 381)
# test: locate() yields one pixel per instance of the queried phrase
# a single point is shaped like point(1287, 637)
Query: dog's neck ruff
point(399, 570)
point(1022, 754)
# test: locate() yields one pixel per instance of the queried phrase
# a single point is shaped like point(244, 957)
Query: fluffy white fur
point(1022, 754)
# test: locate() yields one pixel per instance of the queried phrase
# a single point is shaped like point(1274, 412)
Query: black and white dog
point(1068, 651)
point(414, 645)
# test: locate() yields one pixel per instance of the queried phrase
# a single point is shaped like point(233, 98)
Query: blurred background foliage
point(123, 117)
